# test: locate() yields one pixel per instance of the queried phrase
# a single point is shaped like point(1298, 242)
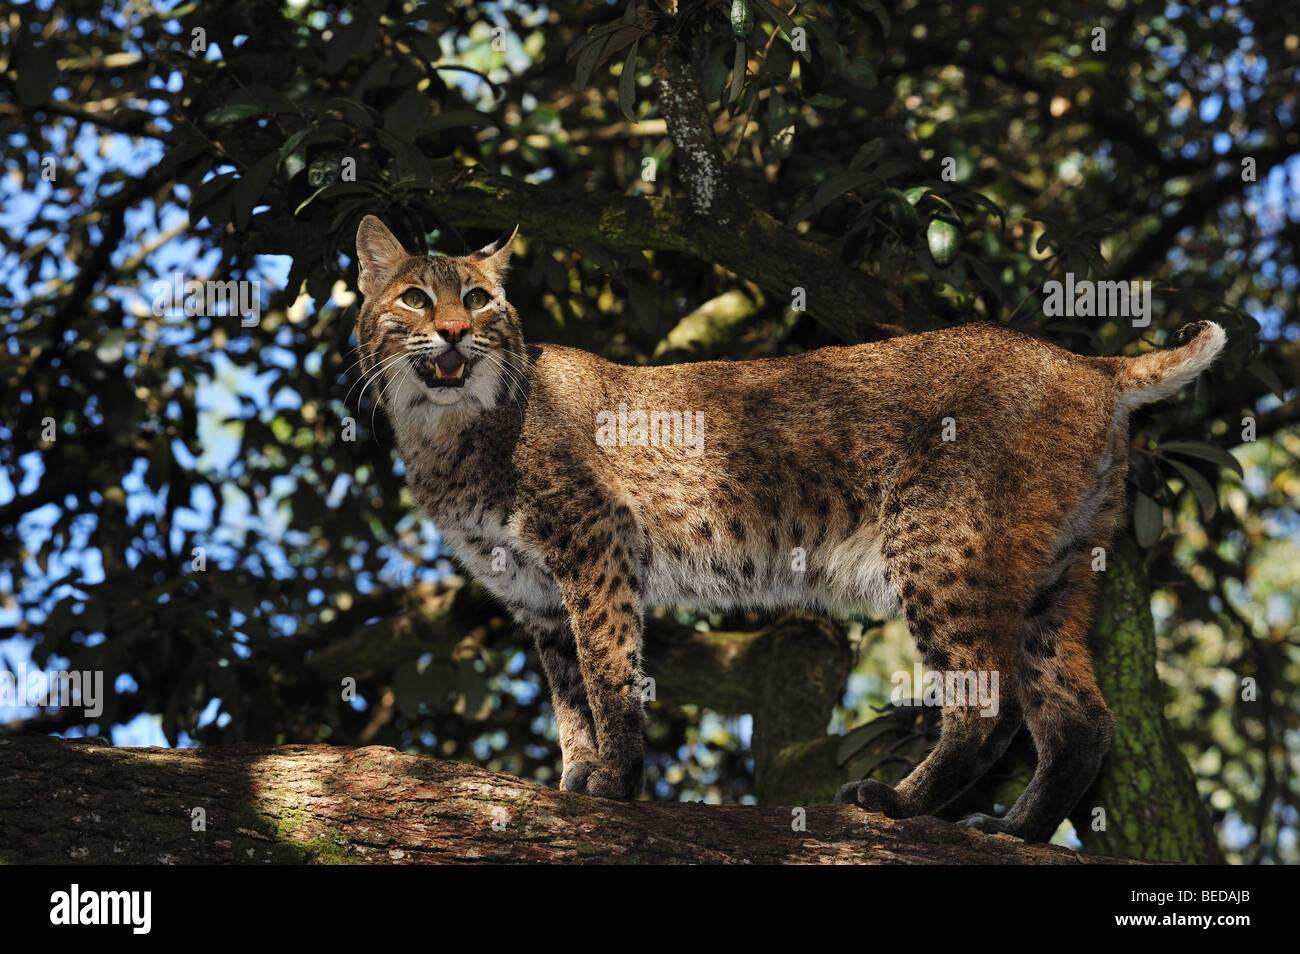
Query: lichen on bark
point(1145, 787)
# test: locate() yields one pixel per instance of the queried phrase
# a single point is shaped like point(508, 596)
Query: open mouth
point(448, 370)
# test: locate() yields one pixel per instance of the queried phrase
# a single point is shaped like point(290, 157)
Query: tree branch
point(78, 801)
point(723, 671)
point(1278, 418)
point(690, 126)
point(849, 302)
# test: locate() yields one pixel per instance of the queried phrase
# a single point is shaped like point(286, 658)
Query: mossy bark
point(800, 677)
point(83, 802)
point(1146, 788)
point(851, 303)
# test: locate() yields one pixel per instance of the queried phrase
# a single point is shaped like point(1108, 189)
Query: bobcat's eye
point(415, 298)
point(475, 299)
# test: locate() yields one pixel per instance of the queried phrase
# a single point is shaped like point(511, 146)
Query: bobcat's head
point(436, 330)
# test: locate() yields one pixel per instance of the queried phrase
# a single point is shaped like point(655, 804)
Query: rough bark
point(87, 802)
point(710, 191)
point(849, 302)
point(1152, 808)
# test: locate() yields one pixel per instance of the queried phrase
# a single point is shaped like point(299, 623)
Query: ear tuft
point(378, 254)
point(494, 258)
point(505, 243)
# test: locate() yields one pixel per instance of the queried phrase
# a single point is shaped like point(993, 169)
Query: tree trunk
point(84, 801)
point(1146, 788)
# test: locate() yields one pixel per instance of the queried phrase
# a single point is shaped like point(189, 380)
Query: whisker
point(369, 377)
point(381, 399)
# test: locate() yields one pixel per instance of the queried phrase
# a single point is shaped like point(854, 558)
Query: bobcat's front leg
point(605, 616)
point(559, 658)
point(593, 550)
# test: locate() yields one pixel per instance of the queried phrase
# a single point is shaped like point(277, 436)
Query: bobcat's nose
point(453, 330)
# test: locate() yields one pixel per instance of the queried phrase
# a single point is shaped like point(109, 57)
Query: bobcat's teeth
point(447, 370)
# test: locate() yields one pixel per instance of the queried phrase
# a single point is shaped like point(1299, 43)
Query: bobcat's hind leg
point(1068, 718)
point(967, 638)
point(1064, 709)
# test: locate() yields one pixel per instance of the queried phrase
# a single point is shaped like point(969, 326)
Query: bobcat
point(962, 476)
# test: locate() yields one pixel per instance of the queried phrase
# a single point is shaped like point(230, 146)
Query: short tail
point(1155, 376)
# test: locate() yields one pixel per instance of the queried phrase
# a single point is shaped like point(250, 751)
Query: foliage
point(254, 158)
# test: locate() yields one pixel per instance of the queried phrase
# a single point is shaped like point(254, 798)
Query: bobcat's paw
point(1026, 831)
point(988, 824)
point(604, 780)
point(872, 795)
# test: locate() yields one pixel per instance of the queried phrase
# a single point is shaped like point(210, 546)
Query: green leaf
point(780, 61)
point(902, 211)
point(778, 116)
point(294, 164)
point(1205, 495)
point(812, 74)
point(858, 72)
point(248, 190)
point(587, 62)
point(207, 193)
point(356, 113)
point(985, 274)
point(868, 154)
point(1267, 376)
point(627, 84)
point(1148, 520)
point(404, 116)
point(353, 40)
point(224, 115)
point(714, 75)
point(452, 118)
point(742, 19)
point(479, 74)
point(1203, 451)
point(986, 202)
point(830, 190)
point(182, 153)
point(880, 14)
point(595, 254)
point(409, 158)
point(859, 738)
point(275, 101)
point(944, 239)
point(293, 142)
point(590, 38)
point(776, 13)
point(307, 201)
point(738, 67)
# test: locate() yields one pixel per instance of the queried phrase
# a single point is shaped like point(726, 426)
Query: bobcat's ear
point(378, 255)
point(494, 258)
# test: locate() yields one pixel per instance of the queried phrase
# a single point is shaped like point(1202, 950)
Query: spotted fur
point(824, 481)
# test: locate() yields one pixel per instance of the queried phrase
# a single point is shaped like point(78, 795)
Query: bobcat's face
point(435, 331)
